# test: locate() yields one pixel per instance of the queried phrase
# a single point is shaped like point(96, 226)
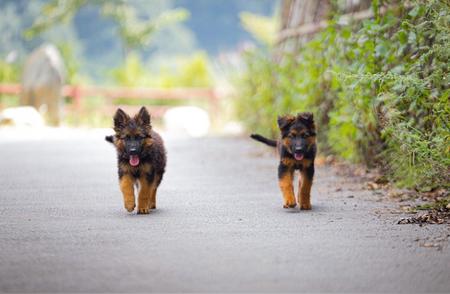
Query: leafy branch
point(132, 30)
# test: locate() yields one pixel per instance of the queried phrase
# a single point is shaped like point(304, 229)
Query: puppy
point(141, 159)
point(297, 150)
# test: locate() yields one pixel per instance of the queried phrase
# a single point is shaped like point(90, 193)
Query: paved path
point(219, 226)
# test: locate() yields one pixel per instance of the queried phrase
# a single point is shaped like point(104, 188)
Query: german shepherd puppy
point(141, 159)
point(297, 150)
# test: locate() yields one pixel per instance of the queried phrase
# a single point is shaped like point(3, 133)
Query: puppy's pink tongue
point(298, 157)
point(134, 160)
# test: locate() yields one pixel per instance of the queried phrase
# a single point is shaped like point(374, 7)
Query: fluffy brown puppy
point(141, 159)
point(297, 150)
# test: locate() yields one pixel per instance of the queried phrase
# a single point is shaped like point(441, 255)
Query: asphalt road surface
point(219, 226)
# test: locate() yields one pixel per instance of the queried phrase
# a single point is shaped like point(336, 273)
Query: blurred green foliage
point(72, 65)
point(186, 72)
point(9, 73)
point(133, 31)
point(262, 28)
point(379, 90)
point(191, 71)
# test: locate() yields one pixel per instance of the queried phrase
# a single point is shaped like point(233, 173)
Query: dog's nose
point(298, 149)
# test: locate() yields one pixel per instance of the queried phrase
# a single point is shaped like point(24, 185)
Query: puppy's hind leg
point(154, 188)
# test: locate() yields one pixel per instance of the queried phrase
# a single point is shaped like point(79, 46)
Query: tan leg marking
point(127, 188)
point(144, 196)
point(304, 195)
point(285, 183)
point(153, 193)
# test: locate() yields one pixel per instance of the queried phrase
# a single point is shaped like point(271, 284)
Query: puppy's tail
point(264, 140)
point(109, 139)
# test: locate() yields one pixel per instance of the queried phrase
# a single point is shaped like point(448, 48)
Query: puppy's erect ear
point(143, 117)
point(120, 120)
point(307, 118)
point(284, 122)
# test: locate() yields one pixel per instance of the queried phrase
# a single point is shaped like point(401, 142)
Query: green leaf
point(412, 37)
point(414, 12)
point(402, 36)
point(418, 10)
point(381, 50)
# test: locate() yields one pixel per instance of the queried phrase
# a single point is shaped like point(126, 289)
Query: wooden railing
point(111, 94)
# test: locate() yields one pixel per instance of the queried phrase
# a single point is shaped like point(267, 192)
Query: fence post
point(76, 95)
point(214, 106)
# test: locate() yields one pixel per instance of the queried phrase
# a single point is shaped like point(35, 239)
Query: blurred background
point(96, 56)
point(375, 73)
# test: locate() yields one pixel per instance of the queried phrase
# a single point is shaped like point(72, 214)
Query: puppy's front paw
point(305, 206)
point(130, 207)
point(142, 210)
point(290, 205)
point(289, 202)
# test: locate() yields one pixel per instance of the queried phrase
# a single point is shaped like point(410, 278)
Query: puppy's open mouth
point(134, 160)
point(298, 156)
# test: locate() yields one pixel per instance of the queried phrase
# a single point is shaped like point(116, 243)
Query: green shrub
point(192, 71)
point(379, 90)
point(9, 73)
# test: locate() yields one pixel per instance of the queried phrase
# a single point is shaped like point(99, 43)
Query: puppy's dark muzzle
point(299, 151)
point(133, 151)
point(133, 148)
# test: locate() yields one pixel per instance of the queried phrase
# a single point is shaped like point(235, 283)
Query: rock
point(373, 186)
point(21, 116)
point(330, 159)
point(360, 171)
point(42, 81)
point(381, 180)
point(394, 193)
point(233, 128)
point(428, 244)
point(406, 208)
point(188, 121)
